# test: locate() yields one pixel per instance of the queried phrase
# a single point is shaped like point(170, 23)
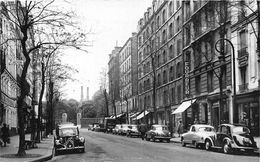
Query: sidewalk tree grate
point(15, 156)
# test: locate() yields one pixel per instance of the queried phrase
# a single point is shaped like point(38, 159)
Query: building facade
point(113, 81)
point(160, 61)
point(244, 34)
point(128, 77)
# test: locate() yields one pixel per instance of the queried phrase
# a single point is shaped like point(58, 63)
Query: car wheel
point(146, 138)
point(182, 142)
point(226, 148)
point(168, 141)
point(153, 139)
point(196, 144)
point(83, 150)
point(208, 145)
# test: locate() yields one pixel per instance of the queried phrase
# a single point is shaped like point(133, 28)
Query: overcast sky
point(110, 21)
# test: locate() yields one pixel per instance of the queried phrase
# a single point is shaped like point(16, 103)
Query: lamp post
point(234, 72)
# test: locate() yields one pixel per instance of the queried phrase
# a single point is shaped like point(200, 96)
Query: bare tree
point(51, 26)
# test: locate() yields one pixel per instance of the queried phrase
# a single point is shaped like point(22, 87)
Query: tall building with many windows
point(160, 72)
point(244, 35)
point(128, 77)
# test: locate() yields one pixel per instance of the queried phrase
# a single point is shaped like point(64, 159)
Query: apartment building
point(113, 81)
point(128, 77)
point(244, 34)
point(160, 62)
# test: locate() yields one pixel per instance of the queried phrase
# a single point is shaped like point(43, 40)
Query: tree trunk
point(21, 109)
point(39, 122)
point(23, 93)
point(106, 102)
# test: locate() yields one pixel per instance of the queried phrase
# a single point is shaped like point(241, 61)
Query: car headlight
point(60, 140)
point(82, 139)
point(57, 142)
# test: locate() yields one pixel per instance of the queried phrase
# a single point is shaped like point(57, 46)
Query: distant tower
point(87, 94)
point(82, 96)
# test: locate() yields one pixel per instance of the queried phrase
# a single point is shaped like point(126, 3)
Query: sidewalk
point(42, 153)
point(177, 139)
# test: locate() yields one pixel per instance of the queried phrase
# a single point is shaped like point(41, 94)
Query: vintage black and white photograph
point(129, 80)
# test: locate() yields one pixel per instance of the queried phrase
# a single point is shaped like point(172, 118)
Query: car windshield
point(68, 131)
point(206, 129)
point(161, 128)
point(241, 129)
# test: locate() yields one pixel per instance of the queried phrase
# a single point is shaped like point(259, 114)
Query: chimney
point(87, 94)
point(81, 97)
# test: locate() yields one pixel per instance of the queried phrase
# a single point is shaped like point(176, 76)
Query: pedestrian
point(180, 128)
point(142, 129)
point(5, 134)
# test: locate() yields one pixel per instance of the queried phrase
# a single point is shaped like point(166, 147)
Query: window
point(164, 57)
point(164, 77)
point(210, 81)
point(178, 47)
point(187, 9)
point(164, 16)
point(179, 93)
point(152, 27)
point(158, 22)
point(140, 41)
point(188, 34)
point(165, 97)
point(159, 60)
point(179, 70)
point(170, 9)
point(173, 95)
point(164, 36)
point(243, 75)
point(177, 24)
point(171, 73)
point(243, 39)
point(178, 4)
point(159, 79)
point(170, 30)
point(197, 84)
point(170, 52)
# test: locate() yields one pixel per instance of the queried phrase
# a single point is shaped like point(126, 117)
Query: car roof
point(202, 125)
point(68, 126)
point(234, 125)
point(159, 125)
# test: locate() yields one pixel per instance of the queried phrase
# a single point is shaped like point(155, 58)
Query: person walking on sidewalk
point(5, 134)
point(180, 128)
point(143, 129)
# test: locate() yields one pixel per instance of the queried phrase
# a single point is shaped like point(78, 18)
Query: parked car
point(123, 130)
point(230, 137)
point(67, 138)
point(95, 127)
point(158, 132)
point(116, 129)
point(197, 134)
point(133, 131)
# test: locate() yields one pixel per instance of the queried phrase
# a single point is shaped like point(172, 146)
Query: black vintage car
point(231, 137)
point(158, 132)
point(67, 138)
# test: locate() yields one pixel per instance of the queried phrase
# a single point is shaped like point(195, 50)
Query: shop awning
point(134, 114)
point(184, 106)
point(142, 115)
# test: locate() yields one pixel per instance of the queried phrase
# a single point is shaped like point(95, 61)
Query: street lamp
point(234, 70)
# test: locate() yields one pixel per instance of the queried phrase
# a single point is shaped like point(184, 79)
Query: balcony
point(243, 87)
point(243, 57)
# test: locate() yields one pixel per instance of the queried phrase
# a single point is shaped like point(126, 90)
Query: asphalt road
point(101, 147)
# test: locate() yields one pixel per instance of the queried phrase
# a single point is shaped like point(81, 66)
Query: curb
point(44, 158)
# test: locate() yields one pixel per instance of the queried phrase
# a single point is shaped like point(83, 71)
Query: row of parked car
point(228, 138)
point(156, 132)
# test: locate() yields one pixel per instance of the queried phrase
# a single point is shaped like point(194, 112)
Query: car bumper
point(69, 148)
point(135, 133)
point(162, 138)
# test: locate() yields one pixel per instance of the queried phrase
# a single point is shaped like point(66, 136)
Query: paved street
point(108, 147)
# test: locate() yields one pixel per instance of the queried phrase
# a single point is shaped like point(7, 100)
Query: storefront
point(248, 111)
